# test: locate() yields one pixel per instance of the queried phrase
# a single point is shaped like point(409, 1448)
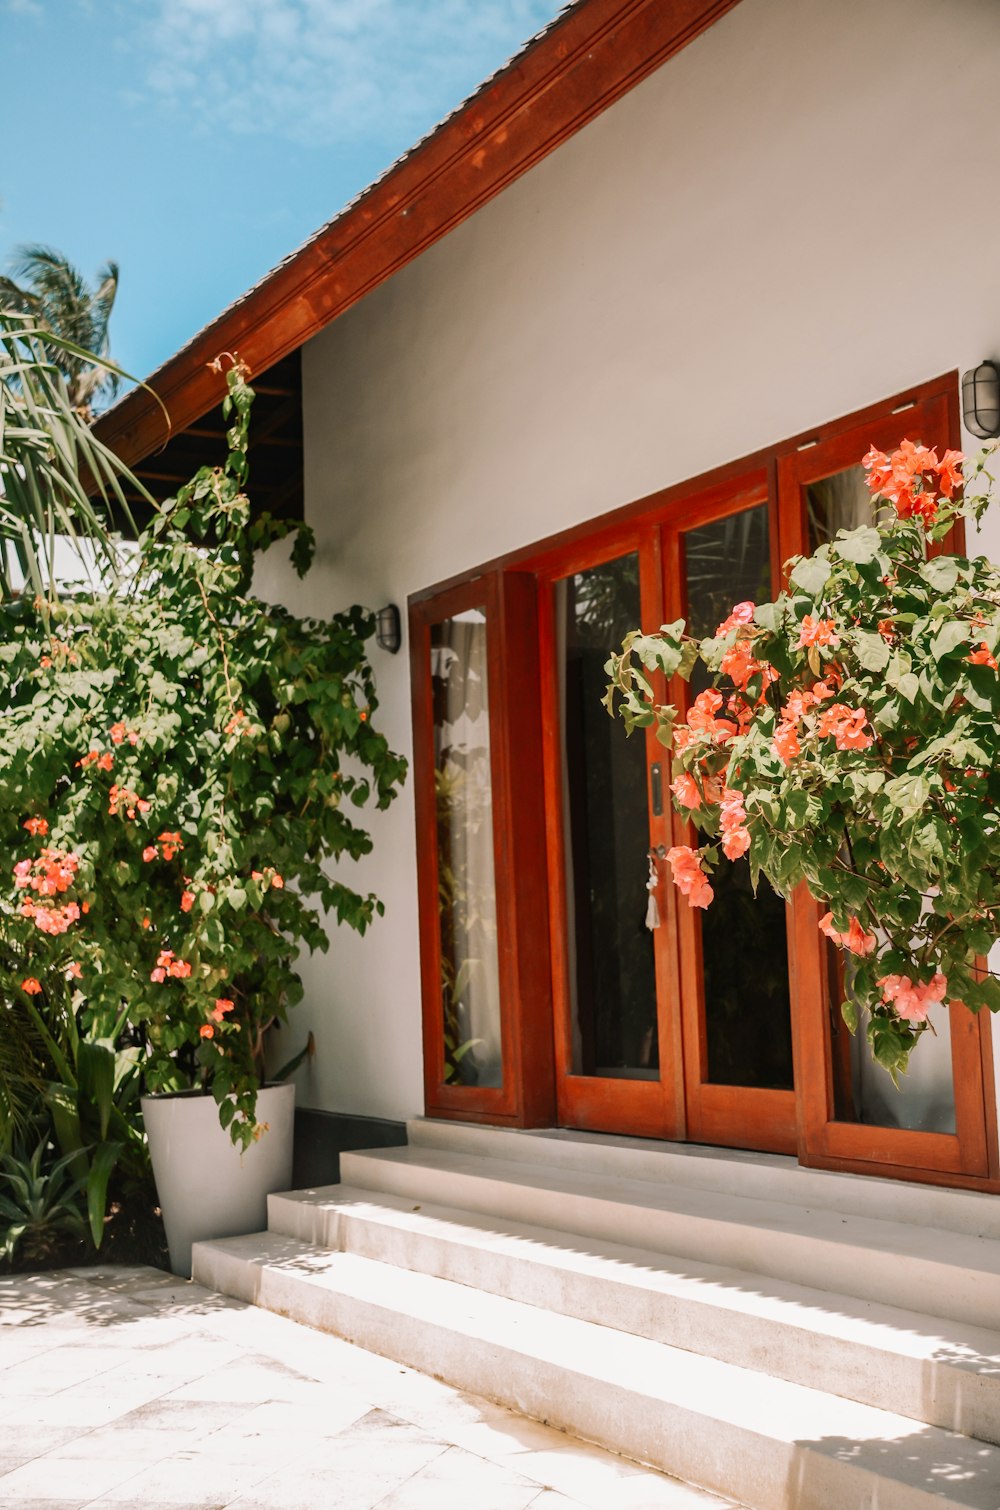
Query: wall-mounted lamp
point(388, 629)
point(981, 400)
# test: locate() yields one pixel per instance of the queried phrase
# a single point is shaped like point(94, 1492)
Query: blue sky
point(197, 142)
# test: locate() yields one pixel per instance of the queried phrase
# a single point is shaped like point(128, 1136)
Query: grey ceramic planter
point(207, 1187)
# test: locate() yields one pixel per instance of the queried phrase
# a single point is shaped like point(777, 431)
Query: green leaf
point(949, 637)
point(859, 546)
point(871, 650)
point(811, 575)
point(940, 573)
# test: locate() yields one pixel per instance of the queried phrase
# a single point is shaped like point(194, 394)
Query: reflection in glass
point(862, 1090)
point(744, 948)
point(470, 985)
point(606, 823)
point(838, 502)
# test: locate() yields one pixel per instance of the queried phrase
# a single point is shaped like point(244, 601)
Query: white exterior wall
point(795, 217)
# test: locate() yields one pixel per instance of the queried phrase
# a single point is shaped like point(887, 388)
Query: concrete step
point(941, 1373)
point(926, 1269)
point(725, 1170)
point(761, 1440)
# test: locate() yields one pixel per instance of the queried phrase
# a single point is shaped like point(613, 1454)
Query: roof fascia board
point(585, 62)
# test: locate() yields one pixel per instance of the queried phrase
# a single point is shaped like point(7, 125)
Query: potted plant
point(848, 742)
point(182, 761)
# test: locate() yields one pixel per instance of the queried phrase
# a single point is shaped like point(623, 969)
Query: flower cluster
point(120, 797)
point(909, 479)
point(168, 966)
point(847, 744)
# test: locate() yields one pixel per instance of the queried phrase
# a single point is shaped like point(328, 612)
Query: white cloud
point(327, 71)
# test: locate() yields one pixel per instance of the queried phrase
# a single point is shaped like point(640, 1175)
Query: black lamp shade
point(981, 400)
point(388, 629)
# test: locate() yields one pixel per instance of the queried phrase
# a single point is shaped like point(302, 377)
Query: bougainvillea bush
point(180, 761)
point(849, 741)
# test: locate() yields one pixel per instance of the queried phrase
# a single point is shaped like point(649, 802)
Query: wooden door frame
point(526, 1097)
point(732, 1116)
point(930, 416)
point(641, 1107)
point(528, 833)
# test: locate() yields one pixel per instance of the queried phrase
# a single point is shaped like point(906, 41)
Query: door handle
point(656, 788)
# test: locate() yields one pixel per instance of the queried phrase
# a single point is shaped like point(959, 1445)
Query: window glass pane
point(470, 983)
point(744, 948)
point(839, 502)
point(606, 825)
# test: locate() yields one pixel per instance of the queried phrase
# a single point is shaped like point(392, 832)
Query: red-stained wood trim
point(588, 59)
point(650, 1108)
point(527, 1096)
point(736, 1116)
point(500, 1102)
point(522, 868)
point(932, 416)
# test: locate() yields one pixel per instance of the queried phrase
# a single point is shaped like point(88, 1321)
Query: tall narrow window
point(748, 1031)
point(606, 826)
point(463, 792)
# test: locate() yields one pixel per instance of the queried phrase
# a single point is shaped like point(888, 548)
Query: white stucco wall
point(795, 217)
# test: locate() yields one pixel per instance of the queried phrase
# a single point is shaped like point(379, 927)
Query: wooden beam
point(589, 58)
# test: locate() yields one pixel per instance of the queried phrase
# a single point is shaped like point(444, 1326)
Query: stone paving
point(124, 1387)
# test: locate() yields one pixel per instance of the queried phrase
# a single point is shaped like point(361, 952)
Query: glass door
point(615, 977)
point(853, 1116)
point(737, 1027)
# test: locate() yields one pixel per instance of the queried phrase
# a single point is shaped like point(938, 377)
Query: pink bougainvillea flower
point(277, 881)
point(815, 631)
point(119, 732)
point(912, 1001)
point(685, 789)
point(741, 615)
point(105, 761)
point(171, 842)
point(741, 665)
point(847, 726)
point(950, 472)
point(702, 717)
point(879, 469)
point(206, 1030)
point(735, 834)
point(237, 724)
point(786, 744)
point(982, 657)
point(222, 1006)
point(158, 975)
point(31, 985)
point(187, 901)
point(909, 460)
point(150, 853)
point(688, 876)
point(856, 940)
point(36, 826)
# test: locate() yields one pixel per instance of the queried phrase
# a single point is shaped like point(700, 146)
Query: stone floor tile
point(68, 1408)
point(146, 1445)
point(551, 1499)
point(300, 1428)
point(185, 1481)
point(84, 1478)
point(457, 1480)
point(197, 1417)
point(19, 1444)
point(251, 1383)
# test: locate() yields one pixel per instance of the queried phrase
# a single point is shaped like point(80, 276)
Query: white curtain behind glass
point(467, 891)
